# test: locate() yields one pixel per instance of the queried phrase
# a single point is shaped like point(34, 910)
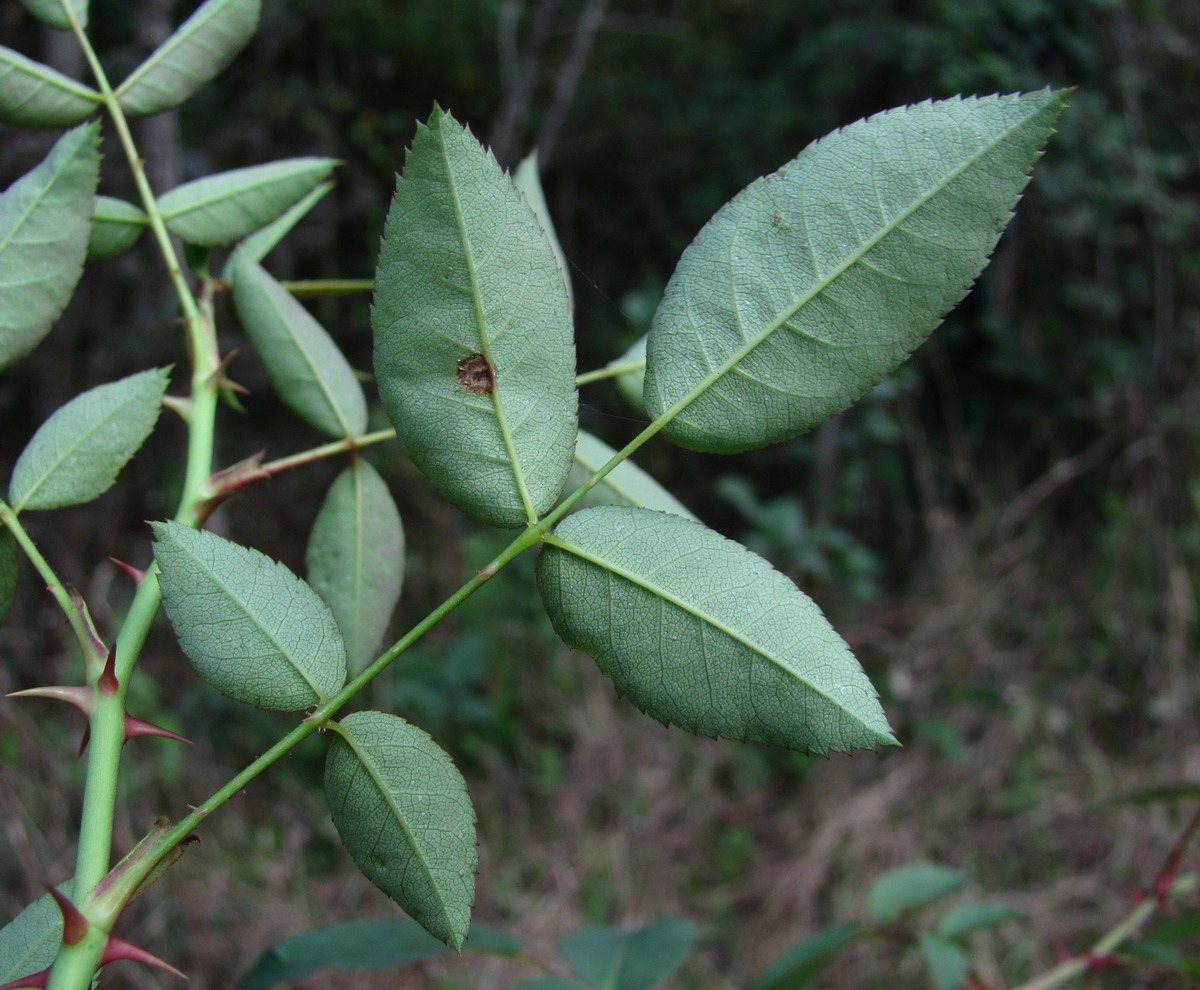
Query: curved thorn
point(75, 925)
point(38, 979)
point(81, 697)
point(108, 683)
point(136, 727)
point(118, 949)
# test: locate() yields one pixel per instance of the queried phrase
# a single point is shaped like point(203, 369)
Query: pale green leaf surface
point(304, 364)
point(818, 280)
point(78, 452)
point(29, 943)
point(195, 52)
point(402, 810)
point(528, 181)
point(252, 629)
point(909, 887)
point(612, 959)
point(44, 222)
point(698, 631)
point(948, 964)
point(54, 12)
point(465, 273)
point(35, 95)
point(966, 918)
point(356, 559)
point(632, 379)
point(8, 572)
point(116, 225)
point(358, 945)
point(626, 484)
point(224, 208)
point(799, 967)
point(259, 244)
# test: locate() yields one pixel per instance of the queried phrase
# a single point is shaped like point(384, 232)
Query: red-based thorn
point(1137, 896)
point(1061, 951)
point(136, 727)
point(83, 743)
point(75, 925)
point(38, 979)
point(1100, 960)
point(118, 949)
point(81, 697)
point(137, 575)
point(108, 683)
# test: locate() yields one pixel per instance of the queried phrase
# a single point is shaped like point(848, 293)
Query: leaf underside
point(699, 632)
point(356, 559)
point(35, 95)
point(54, 13)
point(818, 280)
point(29, 943)
point(77, 453)
point(402, 810)
point(44, 222)
point(473, 340)
point(116, 225)
point(252, 629)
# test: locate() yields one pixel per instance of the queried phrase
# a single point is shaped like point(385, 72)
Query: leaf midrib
point(221, 194)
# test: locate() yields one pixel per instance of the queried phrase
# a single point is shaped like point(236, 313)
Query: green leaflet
point(529, 184)
point(356, 559)
point(196, 52)
point(116, 225)
point(799, 967)
point(29, 943)
point(612, 959)
point(77, 453)
point(963, 919)
point(473, 346)
point(632, 379)
point(819, 279)
point(252, 629)
point(35, 95)
point(402, 810)
point(54, 12)
point(44, 221)
point(260, 243)
point(909, 887)
point(948, 964)
point(224, 208)
point(358, 945)
point(305, 366)
point(698, 631)
point(626, 484)
point(8, 572)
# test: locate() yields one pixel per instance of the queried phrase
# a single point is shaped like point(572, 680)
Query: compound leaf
point(78, 452)
point(359, 945)
point(612, 959)
point(306, 367)
point(116, 225)
point(698, 631)
point(356, 558)
point(54, 12)
point(199, 49)
point(8, 572)
point(626, 484)
point(35, 95)
point(817, 280)
point(909, 887)
point(252, 629)
point(402, 810)
point(473, 345)
point(44, 221)
point(224, 208)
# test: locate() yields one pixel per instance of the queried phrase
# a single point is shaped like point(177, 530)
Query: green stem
point(327, 450)
point(610, 371)
point(318, 287)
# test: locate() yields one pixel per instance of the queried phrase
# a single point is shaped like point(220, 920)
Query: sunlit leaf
point(473, 344)
point(44, 222)
point(8, 572)
point(116, 225)
point(626, 484)
point(612, 959)
point(35, 95)
point(799, 967)
point(910, 887)
point(54, 12)
point(196, 52)
point(224, 208)
point(356, 559)
point(304, 364)
point(529, 183)
point(819, 279)
point(403, 813)
point(78, 452)
point(698, 631)
point(359, 945)
point(252, 629)
point(948, 964)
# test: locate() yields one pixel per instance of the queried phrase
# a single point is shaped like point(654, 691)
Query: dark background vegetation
point(1005, 531)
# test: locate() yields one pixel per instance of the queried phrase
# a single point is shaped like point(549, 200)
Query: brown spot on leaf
point(475, 375)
